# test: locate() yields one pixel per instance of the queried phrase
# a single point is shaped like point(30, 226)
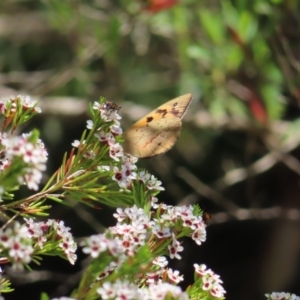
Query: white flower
point(90, 124)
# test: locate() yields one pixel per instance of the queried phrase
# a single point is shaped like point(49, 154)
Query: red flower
point(158, 5)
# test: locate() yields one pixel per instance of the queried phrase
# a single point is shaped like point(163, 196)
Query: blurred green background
point(238, 153)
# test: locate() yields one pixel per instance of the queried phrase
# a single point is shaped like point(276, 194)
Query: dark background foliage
point(238, 154)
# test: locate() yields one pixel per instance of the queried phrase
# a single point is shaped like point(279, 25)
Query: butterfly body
point(158, 131)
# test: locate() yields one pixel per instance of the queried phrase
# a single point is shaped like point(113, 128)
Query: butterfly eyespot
point(158, 131)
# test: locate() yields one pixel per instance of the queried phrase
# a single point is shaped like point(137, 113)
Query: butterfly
point(158, 131)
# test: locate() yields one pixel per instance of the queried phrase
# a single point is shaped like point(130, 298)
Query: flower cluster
point(134, 226)
point(30, 156)
point(8, 106)
point(126, 170)
point(19, 241)
point(177, 216)
point(210, 281)
point(18, 245)
point(17, 110)
point(127, 290)
point(123, 238)
point(282, 296)
point(53, 231)
point(97, 244)
point(125, 173)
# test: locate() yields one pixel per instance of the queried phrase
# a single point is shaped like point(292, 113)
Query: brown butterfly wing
point(158, 131)
point(151, 140)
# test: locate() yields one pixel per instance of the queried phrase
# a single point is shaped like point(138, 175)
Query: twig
point(270, 213)
point(206, 191)
point(278, 153)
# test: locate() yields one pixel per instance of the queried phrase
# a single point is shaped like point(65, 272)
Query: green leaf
point(213, 26)
point(44, 296)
